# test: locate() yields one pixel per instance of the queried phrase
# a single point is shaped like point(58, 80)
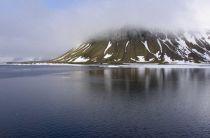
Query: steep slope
point(142, 47)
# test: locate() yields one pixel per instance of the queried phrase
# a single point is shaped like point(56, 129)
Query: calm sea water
point(66, 101)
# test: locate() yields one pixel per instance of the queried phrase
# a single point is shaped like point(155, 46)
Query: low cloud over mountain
point(43, 28)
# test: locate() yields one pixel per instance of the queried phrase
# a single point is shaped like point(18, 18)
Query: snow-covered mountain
point(142, 46)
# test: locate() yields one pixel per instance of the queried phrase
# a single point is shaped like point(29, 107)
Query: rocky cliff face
point(142, 47)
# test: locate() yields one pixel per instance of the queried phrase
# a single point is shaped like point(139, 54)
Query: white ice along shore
point(128, 65)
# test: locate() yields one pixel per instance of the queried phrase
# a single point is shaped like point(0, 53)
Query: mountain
point(142, 46)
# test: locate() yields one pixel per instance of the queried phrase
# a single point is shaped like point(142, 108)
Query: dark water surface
point(65, 101)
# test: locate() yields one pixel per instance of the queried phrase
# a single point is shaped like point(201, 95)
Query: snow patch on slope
point(81, 59)
point(207, 56)
point(167, 59)
point(146, 45)
point(141, 58)
point(183, 47)
point(107, 56)
point(157, 54)
point(109, 45)
point(86, 47)
point(161, 49)
point(126, 46)
point(190, 38)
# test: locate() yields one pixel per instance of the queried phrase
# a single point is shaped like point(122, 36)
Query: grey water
point(91, 101)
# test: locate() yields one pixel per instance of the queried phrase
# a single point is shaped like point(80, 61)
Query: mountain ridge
point(141, 46)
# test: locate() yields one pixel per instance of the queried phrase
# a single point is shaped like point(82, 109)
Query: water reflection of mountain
point(143, 80)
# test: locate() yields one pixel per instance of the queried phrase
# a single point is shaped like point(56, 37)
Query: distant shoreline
point(126, 65)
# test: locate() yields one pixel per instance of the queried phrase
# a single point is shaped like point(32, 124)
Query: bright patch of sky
point(60, 4)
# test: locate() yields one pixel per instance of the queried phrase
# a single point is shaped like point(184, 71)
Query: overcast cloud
point(36, 28)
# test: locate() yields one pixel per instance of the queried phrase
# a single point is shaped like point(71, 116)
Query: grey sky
point(44, 28)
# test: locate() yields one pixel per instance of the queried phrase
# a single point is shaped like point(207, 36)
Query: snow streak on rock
point(109, 45)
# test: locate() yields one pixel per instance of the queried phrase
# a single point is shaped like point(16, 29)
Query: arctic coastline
point(125, 65)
